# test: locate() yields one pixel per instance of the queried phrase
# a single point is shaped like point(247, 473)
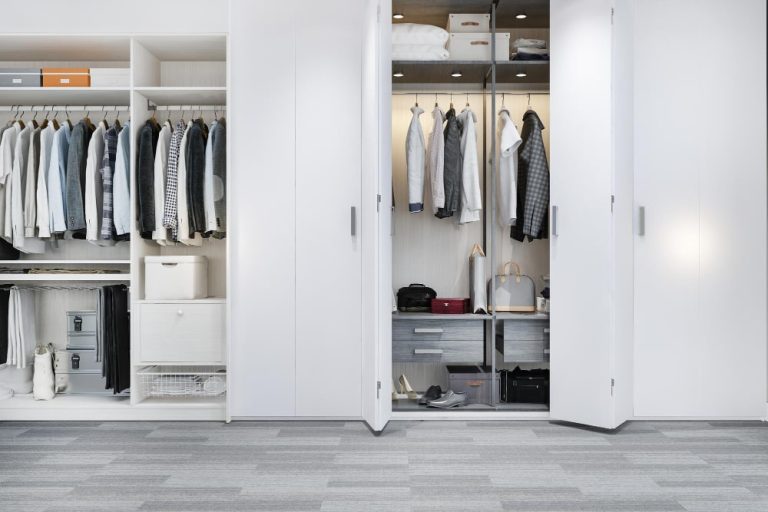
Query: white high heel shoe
point(406, 389)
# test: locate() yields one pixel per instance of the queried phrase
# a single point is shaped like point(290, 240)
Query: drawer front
point(76, 361)
point(82, 341)
point(81, 383)
point(437, 330)
point(448, 351)
point(524, 351)
point(188, 333)
point(79, 322)
point(524, 330)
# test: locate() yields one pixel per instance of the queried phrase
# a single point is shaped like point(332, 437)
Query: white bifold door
point(590, 383)
point(296, 338)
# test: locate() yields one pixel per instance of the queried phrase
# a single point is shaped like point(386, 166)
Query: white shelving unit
point(186, 70)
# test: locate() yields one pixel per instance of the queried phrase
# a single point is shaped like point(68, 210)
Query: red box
point(450, 306)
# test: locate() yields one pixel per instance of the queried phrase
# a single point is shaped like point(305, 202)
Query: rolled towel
point(523, 42)
point(418, 52)
point(413, 33)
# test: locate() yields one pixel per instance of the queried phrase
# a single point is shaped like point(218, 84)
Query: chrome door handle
point(641, 221)
point(418, 351)
point(554, 220)
point(353, 220)
point(427, 330)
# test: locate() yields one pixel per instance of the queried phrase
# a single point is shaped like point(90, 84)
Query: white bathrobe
point(414, 157)
point(471, 194)
point(436, 159)
point(509, 141)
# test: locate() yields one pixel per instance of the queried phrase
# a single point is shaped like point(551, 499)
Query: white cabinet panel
point(261, 225)
point(581, 177)
point(181, 333)
point(328, 183)
point(700, 268)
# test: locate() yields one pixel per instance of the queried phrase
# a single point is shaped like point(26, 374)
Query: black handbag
point(524, 386)
point(415, 298)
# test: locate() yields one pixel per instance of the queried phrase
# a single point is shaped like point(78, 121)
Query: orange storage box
point(66, 77)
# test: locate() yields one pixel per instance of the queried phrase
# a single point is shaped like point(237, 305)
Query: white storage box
point(110, 77)
point(469, 23)
point(477, 46)
point(175, 277)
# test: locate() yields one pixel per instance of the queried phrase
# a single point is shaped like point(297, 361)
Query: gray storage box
point(475, 381)
point(76, 361)
point(81, 322)
point(81, 383)
point(20, 77)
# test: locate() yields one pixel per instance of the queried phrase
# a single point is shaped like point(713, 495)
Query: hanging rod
point(152, 106)
point(460, 93)
point(58, 287)
point(63, 108)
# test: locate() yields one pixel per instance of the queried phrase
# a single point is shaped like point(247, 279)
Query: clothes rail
point(168, 108)
point(64, 108)
point(57, 287)
point(461, 93)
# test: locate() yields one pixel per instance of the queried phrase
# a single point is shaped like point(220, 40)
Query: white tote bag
point(42, 382)
point(477, 290)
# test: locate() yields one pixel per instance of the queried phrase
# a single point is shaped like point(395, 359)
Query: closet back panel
point(262, 220)
point(328, 186)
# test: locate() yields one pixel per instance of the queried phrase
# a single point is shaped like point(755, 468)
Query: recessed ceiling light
point(456, 74)
point(521, 74)
point(398, 74)
point(398, 16)
point(521, 16)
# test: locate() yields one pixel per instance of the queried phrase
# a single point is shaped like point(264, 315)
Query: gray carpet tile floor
point(412, 466)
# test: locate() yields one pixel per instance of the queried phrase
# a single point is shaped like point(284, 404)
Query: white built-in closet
point(170, 76)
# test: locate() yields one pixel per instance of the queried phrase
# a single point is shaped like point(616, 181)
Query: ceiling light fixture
point(521, 16)
point(521, 74)
point(398, 74)
point(398, 16)
point(456, 74)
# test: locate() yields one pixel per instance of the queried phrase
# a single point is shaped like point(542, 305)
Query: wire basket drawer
point(183, 381)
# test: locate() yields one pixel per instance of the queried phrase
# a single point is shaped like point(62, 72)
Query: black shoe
point(433, 393)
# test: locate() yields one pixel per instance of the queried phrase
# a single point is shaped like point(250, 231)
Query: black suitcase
point(524, 386)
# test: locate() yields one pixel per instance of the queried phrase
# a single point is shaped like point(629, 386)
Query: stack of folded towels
point(530, 49)
point(411, 41)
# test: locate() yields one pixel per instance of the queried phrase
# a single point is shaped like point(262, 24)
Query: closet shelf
point(522, 316)
point(184, 95)
point(216, 402)
point(64, 96)
point(472, 72)
point(64, 277)
point(439, 316)
point(39, 263)
point(207, 300)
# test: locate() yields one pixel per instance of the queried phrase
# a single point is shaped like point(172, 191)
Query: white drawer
point(181, 333)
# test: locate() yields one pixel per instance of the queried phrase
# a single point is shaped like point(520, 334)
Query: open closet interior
point(137, 139)
point(470, 139)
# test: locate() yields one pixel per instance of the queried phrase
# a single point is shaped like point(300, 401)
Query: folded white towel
point(418, 52)
point(412, 33)
point(524, 42)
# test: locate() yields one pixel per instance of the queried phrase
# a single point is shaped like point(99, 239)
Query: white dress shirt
point(414, 159)
point(7, 146)
point(57, 172)
point(121, 185)
point(208, 196)
point(42, 219)
point(20, 155)
point(94, 189)
point(509, 141)
point(471, 194)
point(160, 234)
point(436, 160)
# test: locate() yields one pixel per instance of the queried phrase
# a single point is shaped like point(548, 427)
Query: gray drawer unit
point(523, 341)
point(441, 351)
point(81, 322)
point(20, 77)
point(81, 383)
point(436, 330)
point(76, 361)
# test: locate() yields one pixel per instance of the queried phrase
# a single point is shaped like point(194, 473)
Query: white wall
point(95, 16)
point(700, 172)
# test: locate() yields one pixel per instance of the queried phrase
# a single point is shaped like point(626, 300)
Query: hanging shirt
point(57, 176)
point(506, 188)
point(182, 215)
point(20, 155)
point(7, 146)
point(145, 179)
point(452, 166)
point(196, 141)
point(209, 204)
point(30, 184)
point(121, 187)
point(160, 234)
point(435, 159)
point(75, 175)
point(42, 217)
point(532, 182)
point(219, 136)
point(170, 220)
point(107, 171)
point(414, 158)
point(471, 193)
point(94, 187)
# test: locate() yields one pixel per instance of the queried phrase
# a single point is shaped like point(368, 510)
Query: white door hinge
point(378, 389)
point(378, 202)
point(613, 383)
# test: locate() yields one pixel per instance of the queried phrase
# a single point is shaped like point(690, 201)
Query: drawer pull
point(180, 312)
point(427, 330)
point(420, 351)
point(546, 330)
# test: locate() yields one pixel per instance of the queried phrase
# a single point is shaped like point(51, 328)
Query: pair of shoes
point(405, 390)
point(433, 393)
point(449, 400)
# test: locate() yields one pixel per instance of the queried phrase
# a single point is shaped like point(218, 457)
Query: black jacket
point(145, 177)
point(452, 166)
point(196, 140)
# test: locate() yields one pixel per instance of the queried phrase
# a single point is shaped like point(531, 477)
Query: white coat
point(509, 141)
point(414, 157)
point(436, 159)
point(160, 234)
point(471, 194)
